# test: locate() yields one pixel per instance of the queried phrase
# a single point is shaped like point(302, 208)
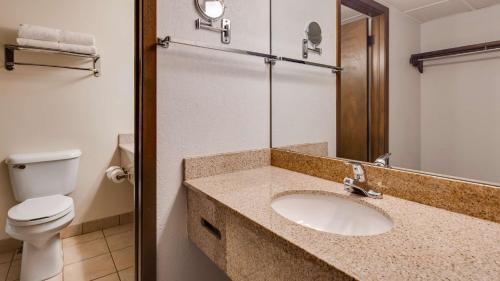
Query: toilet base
point(42, 261)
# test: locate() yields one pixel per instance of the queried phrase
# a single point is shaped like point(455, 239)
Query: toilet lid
point(41, 209)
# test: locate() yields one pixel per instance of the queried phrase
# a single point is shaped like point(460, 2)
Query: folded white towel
point(37, 32)
point(37, 43)
point(91, 50)
point(77, 38)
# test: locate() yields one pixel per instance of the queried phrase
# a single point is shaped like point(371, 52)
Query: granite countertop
point(426, 243)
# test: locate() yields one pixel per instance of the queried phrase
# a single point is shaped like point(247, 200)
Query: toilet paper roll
point(116, 174)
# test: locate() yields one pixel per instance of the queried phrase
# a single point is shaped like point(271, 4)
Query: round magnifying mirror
point(314, 33)
point(210, 9)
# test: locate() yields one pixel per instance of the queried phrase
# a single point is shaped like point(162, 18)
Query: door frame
point(145, 140)
point(379, 99)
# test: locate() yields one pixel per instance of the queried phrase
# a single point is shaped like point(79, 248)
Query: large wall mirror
point(418, 82)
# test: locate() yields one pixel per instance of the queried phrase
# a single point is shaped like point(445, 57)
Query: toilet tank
point(42, 174)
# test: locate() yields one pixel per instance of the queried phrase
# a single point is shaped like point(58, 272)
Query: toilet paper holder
point(118, 174)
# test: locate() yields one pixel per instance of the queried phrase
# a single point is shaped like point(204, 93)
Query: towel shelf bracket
point(10, 61)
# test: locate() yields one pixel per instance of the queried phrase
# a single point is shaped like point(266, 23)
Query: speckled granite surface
point(316, 149)
point(204, 166)
point(425, 243)
point(473, 199)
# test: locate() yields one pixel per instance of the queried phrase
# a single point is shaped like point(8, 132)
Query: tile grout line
point(62, 248)
point(119, 249)
point(105, 240)
point(131, 230)
point(105, 276)
point(128, 267)
point(118, 272)
point(74, 245)
point(10, 265)
point(85, 259)
point(11, 260)
point(112, 259)
point(103, 236)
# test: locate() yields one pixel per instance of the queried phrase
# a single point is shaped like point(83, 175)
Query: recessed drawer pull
point(211, 228)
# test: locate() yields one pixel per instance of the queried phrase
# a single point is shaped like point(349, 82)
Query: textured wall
point(208, 102)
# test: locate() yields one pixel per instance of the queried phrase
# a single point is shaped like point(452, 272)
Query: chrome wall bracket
point(306, 49)
point(270, 61)
point(163, 42)
point(225, 28)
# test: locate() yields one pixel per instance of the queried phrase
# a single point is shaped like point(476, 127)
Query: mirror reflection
point(418, 90)
point(211, 9)
point(314, 33)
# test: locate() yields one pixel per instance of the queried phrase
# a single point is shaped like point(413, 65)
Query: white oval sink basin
point(332, 214)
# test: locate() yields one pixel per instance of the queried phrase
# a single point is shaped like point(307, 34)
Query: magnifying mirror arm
point(208, 25)
point(316, 50)
point(225, 28)
point(306, 49)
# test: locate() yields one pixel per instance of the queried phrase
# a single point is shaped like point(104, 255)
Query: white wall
point(208, 102)
point(460, 99)
point(404, 91)
point(303, 97)
point(43, 109)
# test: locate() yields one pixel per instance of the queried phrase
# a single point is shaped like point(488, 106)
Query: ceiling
point(426, 10)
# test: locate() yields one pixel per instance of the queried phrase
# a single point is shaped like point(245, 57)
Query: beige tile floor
point(106, 255)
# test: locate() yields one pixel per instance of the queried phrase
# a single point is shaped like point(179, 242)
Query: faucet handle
point(383, 160)
point(357, 169)
point(348, 183)
point(385, 156)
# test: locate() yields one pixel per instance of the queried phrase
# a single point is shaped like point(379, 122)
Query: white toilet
point(40, 182)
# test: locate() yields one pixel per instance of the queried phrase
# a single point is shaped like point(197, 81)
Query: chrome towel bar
point(165, 43)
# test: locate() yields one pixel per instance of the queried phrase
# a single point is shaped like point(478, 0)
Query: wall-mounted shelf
point(10, 62)
point(417, 60)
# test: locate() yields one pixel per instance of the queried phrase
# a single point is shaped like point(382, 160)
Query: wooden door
point(353, 99)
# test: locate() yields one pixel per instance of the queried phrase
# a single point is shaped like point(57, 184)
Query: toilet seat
point(40, 210)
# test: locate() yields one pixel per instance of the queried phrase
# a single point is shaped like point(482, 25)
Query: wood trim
point(379, 133)
point(145, 140)
point(339, 77)
point(367, 7)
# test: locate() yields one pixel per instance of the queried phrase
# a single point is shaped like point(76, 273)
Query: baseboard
point(95, 225)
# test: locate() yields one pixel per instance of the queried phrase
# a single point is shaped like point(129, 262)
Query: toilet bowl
point(40, 182)
point(37, 222)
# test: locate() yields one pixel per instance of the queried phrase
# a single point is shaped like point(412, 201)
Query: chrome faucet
point(359, 176)
point(383, 161)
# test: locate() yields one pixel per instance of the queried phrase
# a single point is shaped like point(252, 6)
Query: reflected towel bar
point(165, 42)
point(417, 60)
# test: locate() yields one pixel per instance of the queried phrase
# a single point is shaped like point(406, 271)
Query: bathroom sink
point(330, 213)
